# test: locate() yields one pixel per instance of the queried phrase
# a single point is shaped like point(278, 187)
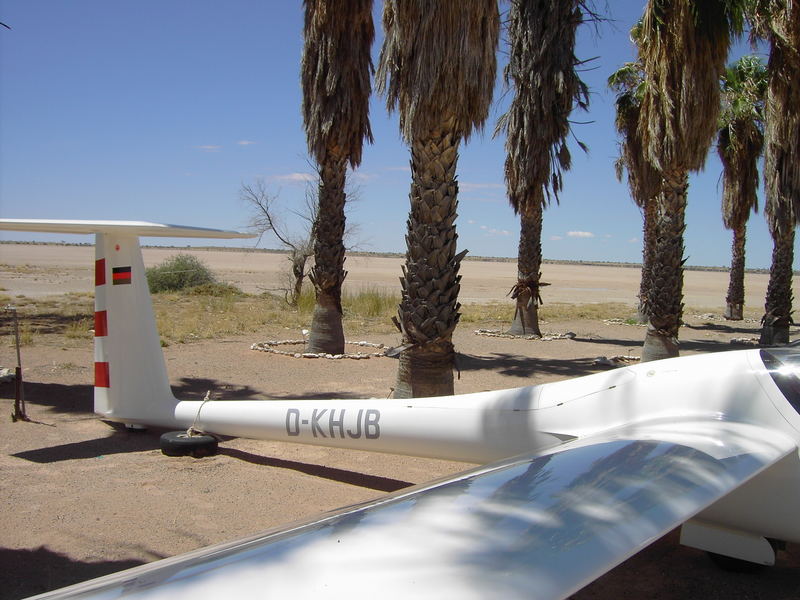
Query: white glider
point(578, 475)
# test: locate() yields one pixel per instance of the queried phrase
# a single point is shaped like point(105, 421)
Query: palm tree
point(740, 142)
point(778, 21)
point(335, 73)
point(541, 69)
point(683, 48)
point(437, 67)
point(644, 181)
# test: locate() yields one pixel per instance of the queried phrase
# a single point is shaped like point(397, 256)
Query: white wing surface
point(143, 228)
point(539, 526)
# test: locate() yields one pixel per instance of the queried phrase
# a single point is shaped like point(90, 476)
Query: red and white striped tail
point(130, 376)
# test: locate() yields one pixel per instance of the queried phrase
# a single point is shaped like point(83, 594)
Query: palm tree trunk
point(665, 299)
point(648, 255)
point(529, 262)
point(778, 306)
point(428, 312)
point(328, 272)
point(735, 299)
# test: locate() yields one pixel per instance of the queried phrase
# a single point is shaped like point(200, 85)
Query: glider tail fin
point(130, 382)
point(130, 375)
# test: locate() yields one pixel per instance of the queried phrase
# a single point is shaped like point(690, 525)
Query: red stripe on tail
point(101, 376)
point(100, 271)
point(100, 323)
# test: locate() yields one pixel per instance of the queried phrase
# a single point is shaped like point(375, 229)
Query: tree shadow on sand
point(25, 572)
point(518, 365)
point(754, 330)
point(683, 345)
point(56, 323)
point(120, 441)
point(330, 395)
point(195, 388)
point(59, 397)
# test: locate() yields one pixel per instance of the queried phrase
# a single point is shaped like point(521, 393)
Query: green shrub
point(371, 302)
point(307, 300)
point(217, 289)
point(179, 272)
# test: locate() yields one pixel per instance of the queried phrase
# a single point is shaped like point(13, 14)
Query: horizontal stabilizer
point(139, 228)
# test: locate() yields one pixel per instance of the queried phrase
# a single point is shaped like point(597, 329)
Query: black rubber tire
point(179, 443)
point(734, 565)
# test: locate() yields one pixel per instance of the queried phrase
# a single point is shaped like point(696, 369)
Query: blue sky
point(160, 110)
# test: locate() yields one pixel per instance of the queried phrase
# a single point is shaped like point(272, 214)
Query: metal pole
point(19, 391)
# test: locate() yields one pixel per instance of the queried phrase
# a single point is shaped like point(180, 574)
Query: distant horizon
point(389, 254)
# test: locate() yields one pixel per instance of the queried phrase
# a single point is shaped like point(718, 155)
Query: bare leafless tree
point(266, 218)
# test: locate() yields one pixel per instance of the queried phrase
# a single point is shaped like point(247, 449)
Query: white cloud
point(471, 221)
point(633, 240)
point(555, 238)
point(405, 169)
point(580, 234)
point(293, 178)
point(464, 186)
point(492, 231)
point(245, 142)
point(361, 176)
point(209, 148)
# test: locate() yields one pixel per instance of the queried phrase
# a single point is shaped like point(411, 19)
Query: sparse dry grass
point(22, 269)
point(70, 315)
point(597, 312)
point(183, 317)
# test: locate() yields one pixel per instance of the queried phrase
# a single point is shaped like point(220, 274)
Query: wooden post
point(19, 392)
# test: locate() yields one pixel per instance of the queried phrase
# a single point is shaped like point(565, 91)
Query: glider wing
point(537, 526)
point(137, 228)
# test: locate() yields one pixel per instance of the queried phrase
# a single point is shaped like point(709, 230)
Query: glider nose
point(783, 365)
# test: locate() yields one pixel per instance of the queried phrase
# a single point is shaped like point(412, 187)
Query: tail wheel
point(180, 443)
point(737, 565)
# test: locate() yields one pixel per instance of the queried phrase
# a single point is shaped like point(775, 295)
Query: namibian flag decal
point(121, 275)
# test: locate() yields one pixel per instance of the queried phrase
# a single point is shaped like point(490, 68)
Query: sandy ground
point(82, 497)
point(255, 272)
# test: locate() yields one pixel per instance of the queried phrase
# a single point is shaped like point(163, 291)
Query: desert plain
point(82, 497)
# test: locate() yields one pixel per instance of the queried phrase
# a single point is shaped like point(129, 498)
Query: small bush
point(179, 272)
point(79, 329)
point(216, 289)
point(307, 300)
point(26, 333)
point(371, 303)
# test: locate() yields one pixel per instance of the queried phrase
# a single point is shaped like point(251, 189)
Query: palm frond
point(740, 170)
point(683, 45)
point(740, 140)
point(644, 181)
point(336, 76)
point(778, 21)
point(542, 72)
point(437, 64)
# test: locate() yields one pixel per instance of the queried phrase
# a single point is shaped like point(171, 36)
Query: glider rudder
point(131, 385)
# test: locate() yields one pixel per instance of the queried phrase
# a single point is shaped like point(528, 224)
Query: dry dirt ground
point(82, 497)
